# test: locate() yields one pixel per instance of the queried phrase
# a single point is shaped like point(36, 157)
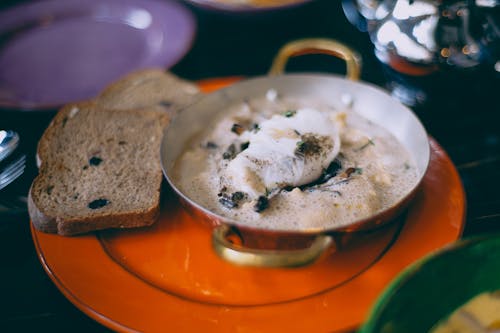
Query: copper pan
point(287, 248)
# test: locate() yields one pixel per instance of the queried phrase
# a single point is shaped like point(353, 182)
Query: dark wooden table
point(463, 114)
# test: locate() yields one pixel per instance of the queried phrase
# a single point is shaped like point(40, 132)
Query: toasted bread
point(98, 169)
point(149, 88)
point(99, 161)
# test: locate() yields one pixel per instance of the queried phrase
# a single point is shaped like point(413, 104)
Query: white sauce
point(277, 148)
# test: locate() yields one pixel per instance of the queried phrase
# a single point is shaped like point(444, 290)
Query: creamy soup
point(288, 164)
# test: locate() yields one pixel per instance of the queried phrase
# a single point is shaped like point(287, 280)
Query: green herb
point(369, 143)
point(230, 153)
point(309, 145)
point(300, 147)
point(244, 145)
point(237, 196)
point(289, 113)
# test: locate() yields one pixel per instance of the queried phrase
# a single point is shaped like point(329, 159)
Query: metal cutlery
point(12, 171)
point(9, 140)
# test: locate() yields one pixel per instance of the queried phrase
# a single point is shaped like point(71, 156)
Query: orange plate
point(167, 278)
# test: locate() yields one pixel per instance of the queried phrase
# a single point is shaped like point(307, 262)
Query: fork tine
point(18, 164)
point(12, 172)
point(21, 159)
point(13, 176)
point(13, 166)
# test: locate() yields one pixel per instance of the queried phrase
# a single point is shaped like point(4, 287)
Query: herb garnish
point(289, 113)
point(369, 143)
point(211, 145)
point(222, 191)
point(310, 144)
point(237, 196)
point(261, 204)
point(330, 172)
point(230, 152)
point(227, 202)
point(237, 128)
point(244, 145)
point(300, 148)
point(233, 200)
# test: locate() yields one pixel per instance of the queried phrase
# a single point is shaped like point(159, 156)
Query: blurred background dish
point(246, 5)
point(430, 290)
point(417, 41)
point(54, 52)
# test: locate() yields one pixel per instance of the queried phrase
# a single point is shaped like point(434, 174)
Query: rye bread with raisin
point(98, 169)
point(149, 88)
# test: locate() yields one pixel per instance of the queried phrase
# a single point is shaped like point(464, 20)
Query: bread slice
point(98, 169)
point(149, 88)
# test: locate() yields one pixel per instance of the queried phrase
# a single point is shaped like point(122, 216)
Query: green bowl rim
point(410, 271)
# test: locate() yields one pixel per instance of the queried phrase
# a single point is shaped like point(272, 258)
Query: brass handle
point(318, 45)
point(267, 258)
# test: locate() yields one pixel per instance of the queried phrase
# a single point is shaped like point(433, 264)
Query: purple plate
point(57, 51)
point(248, 6)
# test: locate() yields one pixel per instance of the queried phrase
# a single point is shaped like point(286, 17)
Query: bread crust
point(72, 227)
point(41, 221)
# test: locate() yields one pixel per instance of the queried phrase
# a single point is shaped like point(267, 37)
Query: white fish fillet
point(271, 159)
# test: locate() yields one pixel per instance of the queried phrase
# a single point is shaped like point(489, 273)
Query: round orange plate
point(167, 278)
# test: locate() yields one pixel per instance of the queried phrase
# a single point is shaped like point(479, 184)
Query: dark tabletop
point(462, 113)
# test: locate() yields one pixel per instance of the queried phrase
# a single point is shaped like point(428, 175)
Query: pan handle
point(268, 258)
point(318, 45)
